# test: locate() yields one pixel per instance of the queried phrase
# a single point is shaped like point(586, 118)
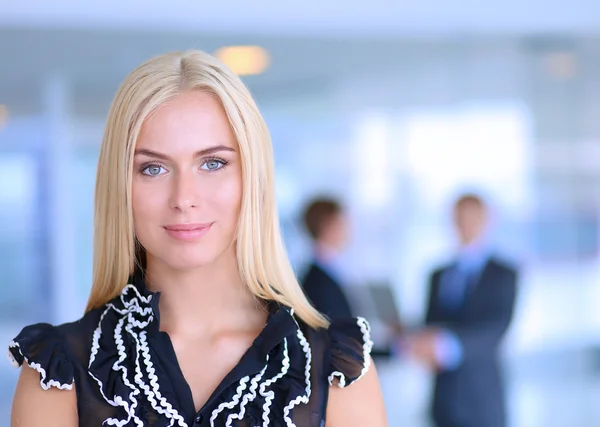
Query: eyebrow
point(201, 153)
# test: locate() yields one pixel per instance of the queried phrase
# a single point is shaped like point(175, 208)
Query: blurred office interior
point(394, 107)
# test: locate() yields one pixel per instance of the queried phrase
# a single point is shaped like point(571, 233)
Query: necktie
point(453, 287)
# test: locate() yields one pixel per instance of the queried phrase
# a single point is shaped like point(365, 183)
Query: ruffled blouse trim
point(121, 364)
point(345, 355)
point(17, 358)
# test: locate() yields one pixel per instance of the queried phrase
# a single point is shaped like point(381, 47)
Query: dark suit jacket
point(473, 394)
point(325, 293)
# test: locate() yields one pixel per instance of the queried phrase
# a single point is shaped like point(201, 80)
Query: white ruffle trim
point(234, 401)
point(143, 365)
point(46, 384)
point(367, 347)
point(300, 399)
point(270, 395)
point(157, 401)
point(249, 397)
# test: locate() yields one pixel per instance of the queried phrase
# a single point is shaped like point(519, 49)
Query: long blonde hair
point(262, 259)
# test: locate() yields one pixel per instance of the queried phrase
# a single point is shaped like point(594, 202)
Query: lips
point(188, 232)
point(188, 227)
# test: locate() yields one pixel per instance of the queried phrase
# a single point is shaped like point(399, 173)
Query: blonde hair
point(262, 259)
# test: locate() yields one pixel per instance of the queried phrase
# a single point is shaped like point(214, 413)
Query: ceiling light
point(244, 60)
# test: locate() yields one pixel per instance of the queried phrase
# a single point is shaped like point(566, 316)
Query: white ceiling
point(312, 17)
point(313, 44)
point(94, 62)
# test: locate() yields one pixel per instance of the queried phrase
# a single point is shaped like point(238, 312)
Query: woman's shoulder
point(61, 353)
point(346, 347)
point(55, 351)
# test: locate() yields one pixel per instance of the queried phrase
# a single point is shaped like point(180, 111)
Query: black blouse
point(126, 371)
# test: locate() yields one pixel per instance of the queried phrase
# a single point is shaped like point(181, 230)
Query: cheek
point(228, 196)
point(222, 196)
point(145, 203)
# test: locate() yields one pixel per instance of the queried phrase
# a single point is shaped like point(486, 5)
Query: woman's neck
point(204, 300)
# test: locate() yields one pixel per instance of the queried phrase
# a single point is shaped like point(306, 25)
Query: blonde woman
point(195, 317)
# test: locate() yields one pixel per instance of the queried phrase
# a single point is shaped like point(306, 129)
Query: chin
point(188, 262)
point(190, 258)
point(189, 255)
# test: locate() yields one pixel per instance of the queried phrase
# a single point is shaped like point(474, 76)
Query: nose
point(184, 192)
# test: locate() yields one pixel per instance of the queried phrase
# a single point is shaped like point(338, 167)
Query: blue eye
point(153, 170)
point(213, 164)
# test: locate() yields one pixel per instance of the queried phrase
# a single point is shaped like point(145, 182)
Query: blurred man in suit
point(328, 226)
point(469, 310)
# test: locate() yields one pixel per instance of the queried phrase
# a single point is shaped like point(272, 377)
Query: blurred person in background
point(469, 310)
point(195, 316)
point(328, 227)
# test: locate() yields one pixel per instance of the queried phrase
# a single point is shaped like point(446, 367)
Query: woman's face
point(187, 183)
